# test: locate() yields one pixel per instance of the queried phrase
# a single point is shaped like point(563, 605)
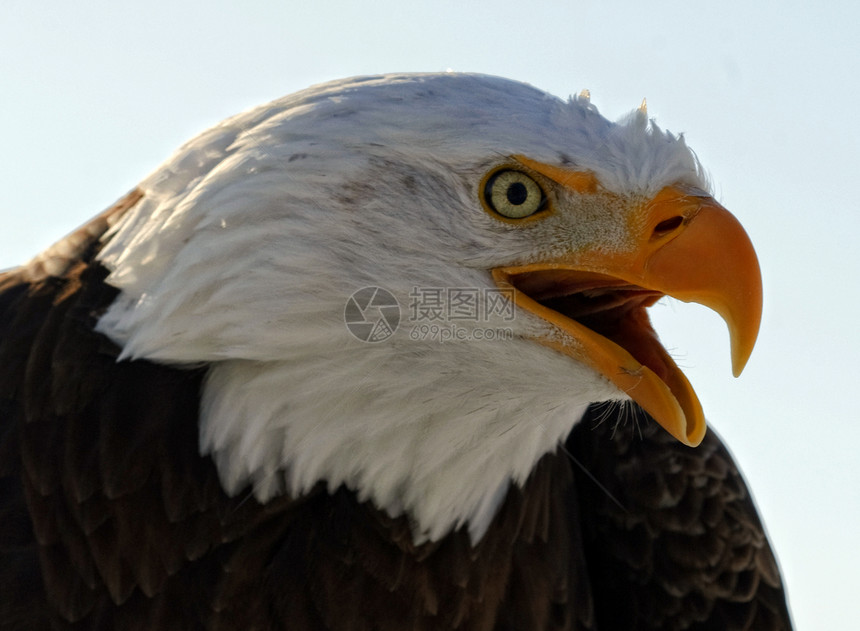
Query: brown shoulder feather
point(673, 538)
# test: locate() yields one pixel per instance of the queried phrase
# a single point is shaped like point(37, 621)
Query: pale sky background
point(94, 95)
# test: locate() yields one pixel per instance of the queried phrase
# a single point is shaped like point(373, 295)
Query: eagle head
point(519, 239)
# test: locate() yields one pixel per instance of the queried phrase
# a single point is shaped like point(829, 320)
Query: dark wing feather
point(686, 549)
point(110, 517)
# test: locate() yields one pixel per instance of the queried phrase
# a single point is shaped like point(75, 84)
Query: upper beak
point(686, 246)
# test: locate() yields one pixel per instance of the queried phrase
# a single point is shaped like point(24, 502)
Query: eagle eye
point(513, 194)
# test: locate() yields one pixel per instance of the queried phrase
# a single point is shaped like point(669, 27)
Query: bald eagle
point(377, 355)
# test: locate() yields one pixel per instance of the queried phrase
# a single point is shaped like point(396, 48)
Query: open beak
point(687, 246)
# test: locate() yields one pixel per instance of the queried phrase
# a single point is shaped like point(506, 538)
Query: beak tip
point(743, 342)
point(740, 358)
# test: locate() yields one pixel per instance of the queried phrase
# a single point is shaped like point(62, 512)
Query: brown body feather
point(110, 518)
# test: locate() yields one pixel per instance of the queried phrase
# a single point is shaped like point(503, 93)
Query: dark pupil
point(517, 193)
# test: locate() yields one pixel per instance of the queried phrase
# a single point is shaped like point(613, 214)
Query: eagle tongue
point(635, 334)
point(621, 317)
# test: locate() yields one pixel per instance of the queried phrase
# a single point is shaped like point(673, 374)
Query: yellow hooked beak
point(686, 246)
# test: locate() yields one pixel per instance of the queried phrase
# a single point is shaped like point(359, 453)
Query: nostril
point(667, 225)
